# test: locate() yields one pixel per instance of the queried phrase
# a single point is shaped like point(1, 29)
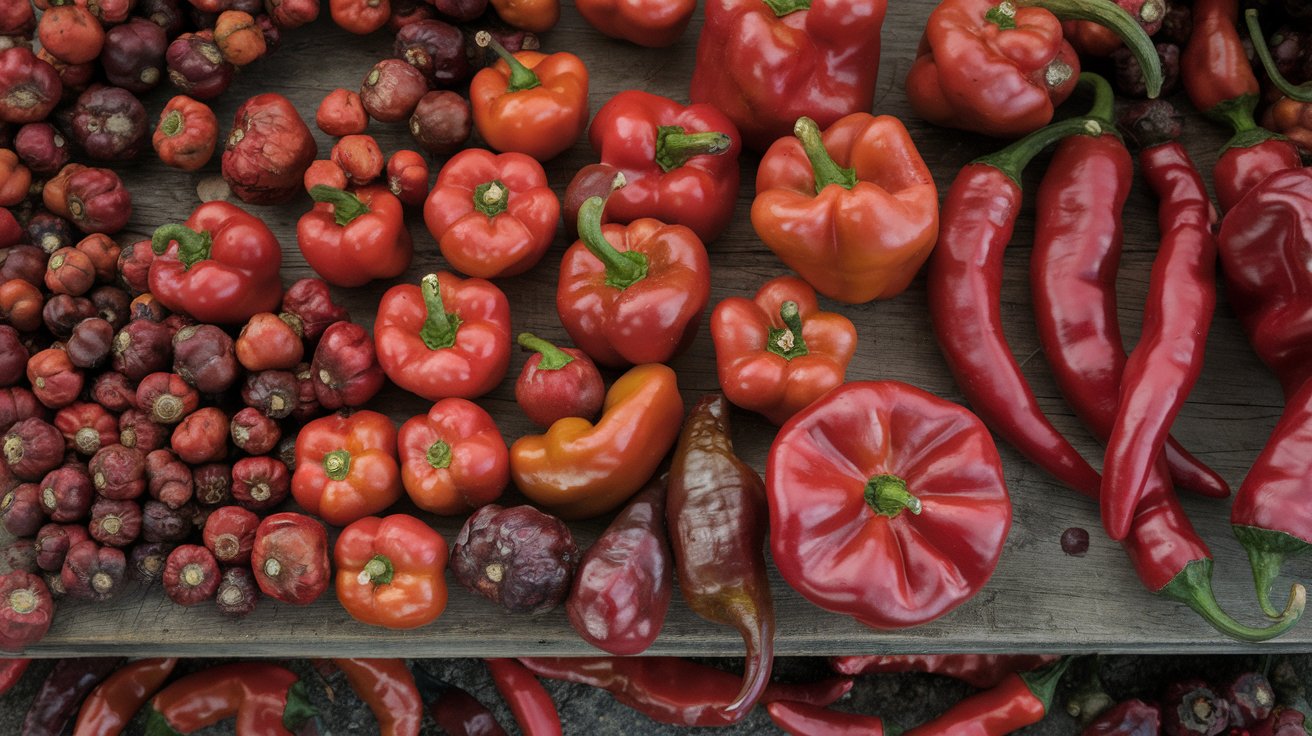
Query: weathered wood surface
point(1038, 600)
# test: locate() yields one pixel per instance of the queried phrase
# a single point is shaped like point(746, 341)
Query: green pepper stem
point(622, 269)
point(346, 206)
point(1043, 683)
point(378, 570)
point(1267, 551)
point(787, 342)
point(193, 247)
point(1002, 15)
point(888, 496)
point(553, 358)
point(337, 464)
point(1120, 22)
point(491, 197)
point(1298, 92)
point(172, 123)
point(827, 171)
point(1192, 586)
point(784, 7)
point(439, 455)
point(298, 709)
point(521, 77)
point(675, 145)
point(1013, 159)
point(1104, 100)
point(440, 326)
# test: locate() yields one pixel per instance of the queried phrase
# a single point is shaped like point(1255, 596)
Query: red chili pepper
point(766, 63)
point(979, 670)
point(456, 712)
point(965, 283)
point(352, 238)
point(388, 688)
point(221, 266)
point(64, 688)
point(1077, 247)
point(11, 671)
point(675, 690)
point(1018, 701)
point(267, 700)
point(534, 710)
point(110, 707)
point(1169, 356)
point(448, 337)
point(804, 719)
point(650, 24)
point(680, 164)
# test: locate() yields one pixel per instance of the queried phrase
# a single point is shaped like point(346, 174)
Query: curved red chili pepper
point(534, 710)
point(804, 719)
point(1018, 701)
point(1077, 248)
point(110, 707)
point(979, 670)
point(11, 671)
point(388, 688)
point(456, 712)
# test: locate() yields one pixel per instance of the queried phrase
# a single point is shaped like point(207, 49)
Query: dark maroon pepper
point(49, 232)
point(141, 348)
point(53, 541)
point(1191, 708)
point(63, 691)
point(90, 343)
point(287, 14)
point(436, 49)
point(109, 124)
point(133, 57)
point(230, 534)
point(135, 430)
point(97, 200)
point(146, 563)
point(191, 575)
point(442, 122)
point(66, 493)
point(519, 558)
point(32, 447)
point(168, 479)
point(93, 572)
point(260, 483)
point(462, 10)
point(159, 523)
point(310, 300)
point(25, 262)
point(253, 432)
point(17, 404)
point(166, 397)
point(290, 558)
point(29, 87)
point(391, 90)
point(42, 148)
point(118, 472)
point(1250, 698)
point(197, 67)
point(134, 266)
point(237, 593)
point(112, 303)
point(345, 367)
point(115, 523)
point(205, 356)
point(114, 392)
point(268, 150)
point(274, 393)
point(17, 19)
point(20, 554)
point(62, 313)
point(26, 609)
point(13, 356)
point(21, 512)
point(147, 307)
point(213, 484)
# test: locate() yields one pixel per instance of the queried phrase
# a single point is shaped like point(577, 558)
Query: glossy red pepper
point(290, 558)
point(1169, 356)
point(110, 707)
point(632, 294)
point(448, 337)
point(766, 63)
point(221, 266)
point(557, 382)
point(346, 467)
point(529, 102)
point(388, 688)
point(390, 573)
point(1018, 701)
point(453, 459)
point(352, 238)
point(266, 700)
point(456, 712)
point(804, 719)
point(534, 710)
point(11, 671)
point(680, 163)
point(978, 670)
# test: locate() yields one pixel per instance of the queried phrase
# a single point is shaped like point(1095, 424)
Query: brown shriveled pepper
point(717, 514)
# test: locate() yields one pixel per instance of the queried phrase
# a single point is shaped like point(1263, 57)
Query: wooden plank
point(1039, 599)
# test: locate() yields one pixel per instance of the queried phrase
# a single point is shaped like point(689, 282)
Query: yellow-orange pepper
point(578, 470)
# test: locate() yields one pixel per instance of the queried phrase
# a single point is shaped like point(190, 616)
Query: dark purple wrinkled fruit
point(42, 148)
point(118, 472)
point(29, 87)
point(26, 262)
point(518, 558)
point(21, 513)
point(53, 541)
point(167, 14)
point(1251, 699)
point(146, 563)
point(50, 232)
point(114, 392)
point(273, 393)
point(442, 122)
point(462, 10)
point(109, 124)
point(62, 313)
point(1177, 24)
point(13, 356)
point(205, 356)
point(136, 430)
point(67, 493)
point(436, 49)
point(31, 448)
point(115, 523)
point(1129, 76)
point(1075, 541)
point(1129, 718)
point(142, 348)
point(213, 483)
point(1150, 123)
point(159, 523)
point(1283, 722)
point(168, 479)
point(237, 593)
point(93, 572)
point(112, 305)
point(197, 67)
point(133, 57)
point(1191, 708)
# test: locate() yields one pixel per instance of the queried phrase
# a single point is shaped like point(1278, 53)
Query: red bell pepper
point(766, 63)
point(352, 238)
point(632, 294)
point(447, 337)
point(389, 572)
point(777, 352)
point(886, 504)
point(453, 459)
point(680, 164)
point(220, 266)
point(1002, 68)
point(492, 216)
point(346, 467)
point(530, 102)
point(651, 24)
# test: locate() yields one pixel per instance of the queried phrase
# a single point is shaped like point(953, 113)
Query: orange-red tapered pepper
point(389, 571)
point(346, 467)
point(352, 238)
point(579, 470)
point(534, 16)
point(530, 102)
point(853, 211)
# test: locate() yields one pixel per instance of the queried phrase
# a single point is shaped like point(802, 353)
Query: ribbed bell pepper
point(352, 238)
point(853, 211)
point(346, 467)
point(680, 164)
point(529, 102)
point(389, 571)
point(765, 63)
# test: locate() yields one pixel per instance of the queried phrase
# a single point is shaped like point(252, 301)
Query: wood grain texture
point(1039, 599)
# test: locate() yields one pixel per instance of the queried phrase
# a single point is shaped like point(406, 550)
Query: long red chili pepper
point(456, 712)
point(965, 287)
point(389, 690)
point(532, 705)
point(979, 670)
point(110, 707)
point(675, 690)
point(11, 671)
point(1165, 364)
point(1077, 248)
point(1018, 701)
point(804, 719)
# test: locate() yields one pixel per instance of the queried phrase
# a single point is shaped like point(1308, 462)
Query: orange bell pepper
point(857, 233)
point(530, 102)
point(346, 467)
point(578, 470)
point(534, 16)
point(389, 571)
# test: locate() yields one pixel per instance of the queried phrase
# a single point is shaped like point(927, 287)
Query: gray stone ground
point(903, 699)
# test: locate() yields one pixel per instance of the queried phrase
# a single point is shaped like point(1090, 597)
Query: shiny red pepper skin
point(1169, 356)
point(1214, 66)
point(534, 710)
point(11, 671)
point(225, 272)
point(1242, 165)
point(351, 238)
point(456, 712)
point(804, 719)
point(1016, 702)
point(267, 700)
point(978, 670)
point(388, 688)
point(640, 134)
point(675, 690)
point(64, 688)
point(110, 707)
point(764, 70)
point(1077, 248)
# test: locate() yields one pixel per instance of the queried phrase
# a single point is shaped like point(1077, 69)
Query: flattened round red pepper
point(774, 358)
point(187, 134)
point(492, 216)
point(352, 238)
point(853, 211)
point(389, 571)
point(448, 337)
point(530, 102)
point(346, 467)
point(680, 164)
point(221, 266)
point(632, 294)
point(453, 459)
point(887, 504)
